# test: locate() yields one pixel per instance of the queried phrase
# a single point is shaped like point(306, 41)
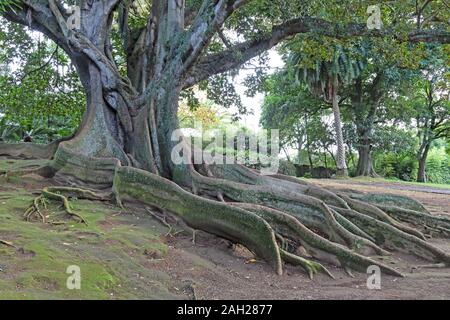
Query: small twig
point(57, 223)
point(7, 243)
point(220, 197)
point(194, 236)
point(163, 221)
point(40, 67)
point(432, 266)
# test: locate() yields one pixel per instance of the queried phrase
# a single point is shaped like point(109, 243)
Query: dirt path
point(384, 185)
point(226, 273)
point(437, 200)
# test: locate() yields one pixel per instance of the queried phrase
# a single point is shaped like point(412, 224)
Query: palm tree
point(324, 79)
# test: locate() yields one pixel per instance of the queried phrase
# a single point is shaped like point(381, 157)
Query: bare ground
point(232, 277)
point(211, 268)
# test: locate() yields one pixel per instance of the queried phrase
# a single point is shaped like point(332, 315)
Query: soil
point(213, 268)
point(231, 274)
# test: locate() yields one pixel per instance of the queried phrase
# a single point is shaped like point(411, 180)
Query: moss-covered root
point(35, 210)
point(421, 220)
point(219, 218)
point(44, 171)
point(379, 214)
point(55, 193)
point(387, 199)
point(390, 236)
point(311, 211)
point(65, 202)
point(29, 150)
point(320, 248)
point(311, 267)
point(80, 193)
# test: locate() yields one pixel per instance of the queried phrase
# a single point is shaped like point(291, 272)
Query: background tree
point(288, 106)
point(324, 77)
point(388, 65)
point(431, 104)
point(40, 94)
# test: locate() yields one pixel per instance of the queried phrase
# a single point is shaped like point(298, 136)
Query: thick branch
point(240, 53)
point(42, 20)
point(209, 20)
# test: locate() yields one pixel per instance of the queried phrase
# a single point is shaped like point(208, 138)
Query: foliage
point(396, 165)
point(205, 114)
point(287, 168)
point(438, 166)
point(338, 65)
point(40, 94)
point(5, 4)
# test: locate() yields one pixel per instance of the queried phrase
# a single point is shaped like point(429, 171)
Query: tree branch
point(241, 53)
point(42, 20)
point(208, 21)
point(59, 18)
point(42, 66)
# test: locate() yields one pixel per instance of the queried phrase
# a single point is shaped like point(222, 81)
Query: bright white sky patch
point(254, 104)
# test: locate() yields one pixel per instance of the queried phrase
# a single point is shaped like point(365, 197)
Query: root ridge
point(278, 218)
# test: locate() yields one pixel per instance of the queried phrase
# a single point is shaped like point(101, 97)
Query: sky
point(254, 103)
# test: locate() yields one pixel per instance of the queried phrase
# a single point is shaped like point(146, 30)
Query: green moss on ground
point(113, 252)
point(11, 165)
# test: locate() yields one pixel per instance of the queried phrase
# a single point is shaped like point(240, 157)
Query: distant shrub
point(396, 165)
point(404, 166)
point(438, 166)
point(287, 168)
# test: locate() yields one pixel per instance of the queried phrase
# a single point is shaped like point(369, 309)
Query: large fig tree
point(124, 143)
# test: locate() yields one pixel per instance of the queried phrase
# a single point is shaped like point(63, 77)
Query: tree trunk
point(124, 145)
point(340, 156)
point(311, 164)
point(364, 109)
point(365, 162)
point(421, 172)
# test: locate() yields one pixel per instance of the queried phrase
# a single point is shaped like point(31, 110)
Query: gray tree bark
point(124, 142)
point(340, 155)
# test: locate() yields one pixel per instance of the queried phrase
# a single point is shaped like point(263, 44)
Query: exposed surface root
point(421, 220)
point(379, 214)
point(234, 224)
point(317, 246)
point(231, 222)
point(44, 171)
point(34, 209)
point(29, 150)
point(387, 199)
point(54, 193)
point(278, 218)
point(312, 212)
point(310, 266)
point(390, 236)
point(252, 225)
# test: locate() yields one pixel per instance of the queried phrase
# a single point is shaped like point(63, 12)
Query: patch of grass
point(397, 181)
point(393, 181)
point(114, 261)
point(10, 165)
